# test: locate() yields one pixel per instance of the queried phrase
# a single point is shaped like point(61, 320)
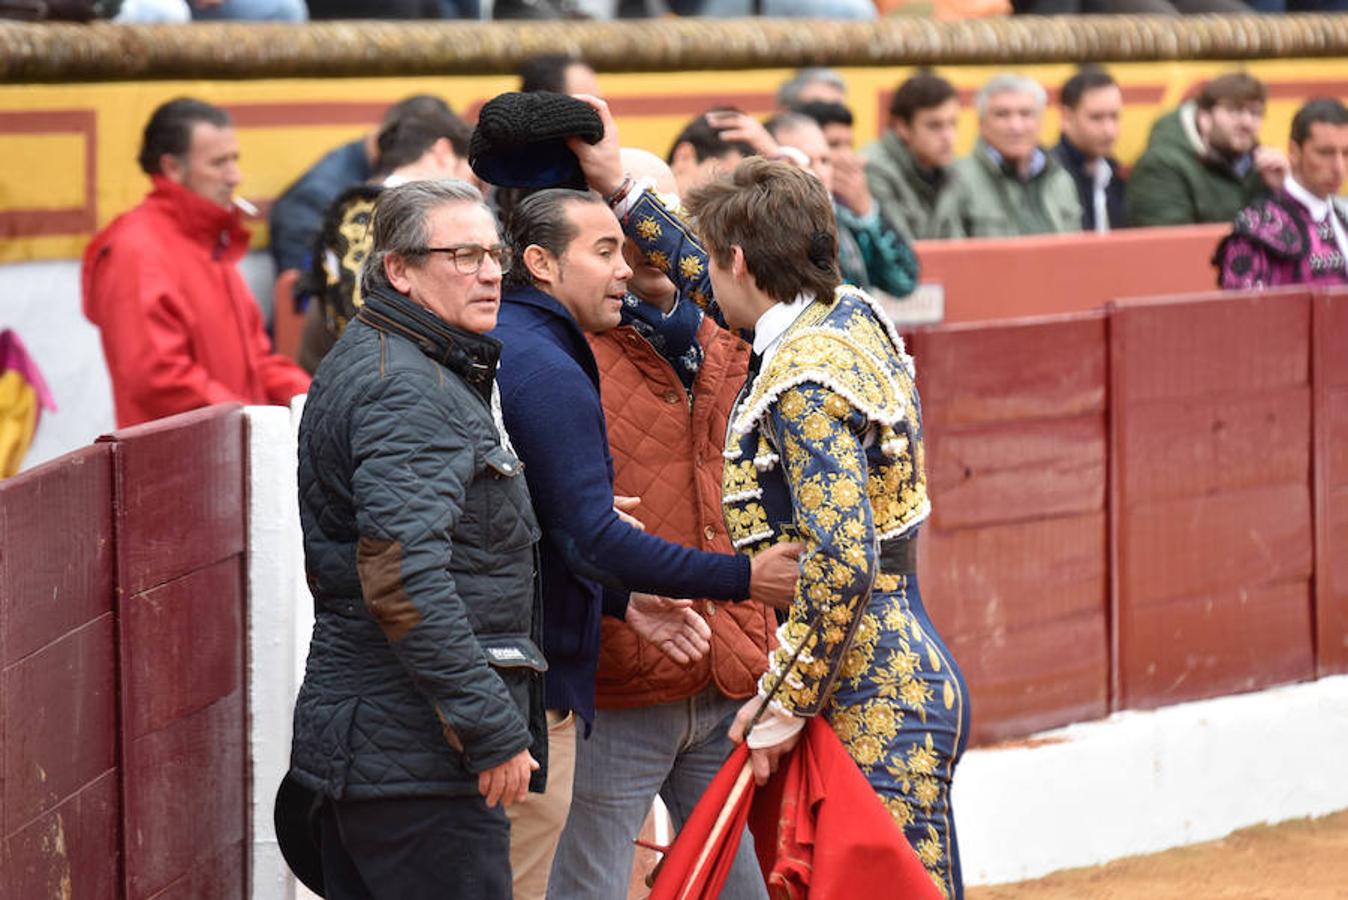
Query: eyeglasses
point(468, 258)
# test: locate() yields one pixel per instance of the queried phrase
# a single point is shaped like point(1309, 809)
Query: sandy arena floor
point(1306, 859)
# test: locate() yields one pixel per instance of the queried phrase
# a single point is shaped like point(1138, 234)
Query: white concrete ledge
point(1140, 782)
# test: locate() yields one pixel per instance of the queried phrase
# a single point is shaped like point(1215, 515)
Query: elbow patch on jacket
point(379, 562)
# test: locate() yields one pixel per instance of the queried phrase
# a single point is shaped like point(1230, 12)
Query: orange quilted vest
point(669, 455)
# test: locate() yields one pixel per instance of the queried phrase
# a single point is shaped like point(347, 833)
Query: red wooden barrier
point(1009, 278)
point(1331, 482)
point(1013, 559)
point(180, 532)
point(1210, 409)
point(58, 721)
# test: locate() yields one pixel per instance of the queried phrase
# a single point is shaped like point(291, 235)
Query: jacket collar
point(1317, 208)
point(473, 357)
point(559, 321)
point(1039, 161)
point(213, 227)
point(898, 150)
point(1074, 160)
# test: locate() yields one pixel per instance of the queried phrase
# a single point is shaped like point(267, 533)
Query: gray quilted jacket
point(419, 547)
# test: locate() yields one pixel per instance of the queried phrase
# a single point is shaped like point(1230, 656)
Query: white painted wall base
point(1140, 782)
point(1137, 782)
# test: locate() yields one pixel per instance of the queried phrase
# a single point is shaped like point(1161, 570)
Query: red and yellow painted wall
point(69, 149)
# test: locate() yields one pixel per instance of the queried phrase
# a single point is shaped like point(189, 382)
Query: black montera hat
point(294, 816)
point(520, 140)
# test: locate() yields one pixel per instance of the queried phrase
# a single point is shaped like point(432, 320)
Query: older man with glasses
point(421, 713)
point(1009, 185)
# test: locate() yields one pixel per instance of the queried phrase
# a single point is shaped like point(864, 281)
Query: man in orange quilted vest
point(669, 376)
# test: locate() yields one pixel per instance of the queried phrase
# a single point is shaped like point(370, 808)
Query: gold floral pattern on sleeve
point(647, 228)
point(662, 236)
point(838, 562)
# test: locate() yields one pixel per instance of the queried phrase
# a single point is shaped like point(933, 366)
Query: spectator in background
point(1298, 235)
point(432, 144)
point(1091, 106)
point(910, 165)
point(374, 9)
point(558, 73)
point(1203, 161)
point(297, 214)
point(179, 327)
point(703, 150)
point(814, 83)
point(871, 252)
point(249, 10)
point(1009, 185)
point(1132, 7)
point(836, 121)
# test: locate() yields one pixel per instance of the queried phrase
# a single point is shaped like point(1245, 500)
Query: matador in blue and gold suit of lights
point(825, 447)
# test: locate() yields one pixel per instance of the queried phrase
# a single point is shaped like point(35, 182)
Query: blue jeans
point(673, 749)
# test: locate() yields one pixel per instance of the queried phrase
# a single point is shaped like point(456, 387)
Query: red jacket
point(180, 328)
point(669, 454)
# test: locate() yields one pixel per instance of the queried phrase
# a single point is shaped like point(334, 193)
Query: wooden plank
point(1238, 540)
point(1012, 472)
point(1223, 642)
point(1195, 446)
point(212, 879)
point(180, 493)
point(1011, 371)
point(60, 719)
point(1004, 278)
point(184, 800)
point(1334, 415)
point(1234, 343)
point(983, 581)
point(1333, 326)
point(69, 852)
point(1034, 678)
point(1329, 416)
point(182, 646)
point(1332, 588)
point(56, 550)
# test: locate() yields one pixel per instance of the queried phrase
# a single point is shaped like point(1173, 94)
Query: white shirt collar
point(773, 324)
point(1314, 205)
point(1319, 209)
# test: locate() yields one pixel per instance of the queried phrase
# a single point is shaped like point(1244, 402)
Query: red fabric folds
point(819, 830)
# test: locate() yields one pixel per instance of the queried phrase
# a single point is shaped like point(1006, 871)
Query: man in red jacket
point(180, 328)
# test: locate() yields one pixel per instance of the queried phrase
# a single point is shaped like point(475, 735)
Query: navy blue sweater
point(550, 399)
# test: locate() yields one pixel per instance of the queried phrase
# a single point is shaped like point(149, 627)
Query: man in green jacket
point(1203, 162)
point(1009, 185)
point(910, 164)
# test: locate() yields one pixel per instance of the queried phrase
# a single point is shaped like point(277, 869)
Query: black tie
point(755, 365)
